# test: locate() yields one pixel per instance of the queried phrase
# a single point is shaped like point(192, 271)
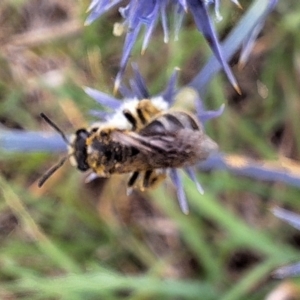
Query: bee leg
point(133, 179)
point(100, 171)
point(131, 182)
point(152, 178)
point(146, 180)
point(130, 118)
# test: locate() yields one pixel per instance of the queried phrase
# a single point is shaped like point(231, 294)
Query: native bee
point(173, 139)
point(169, 139)
point(132, 115)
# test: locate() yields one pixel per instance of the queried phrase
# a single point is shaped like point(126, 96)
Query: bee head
point(78, 150)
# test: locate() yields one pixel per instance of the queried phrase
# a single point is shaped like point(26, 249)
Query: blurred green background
point(71, 240)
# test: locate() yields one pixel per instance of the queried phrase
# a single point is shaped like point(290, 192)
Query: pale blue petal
point(290, 217)
point(287, 271)
point(29, 141)
point(103, 98)
point(138, 84)
point(164, 21)
point(98, 8)
point(204, 116)
point(191, 173)
point(232, 43)
point(175, 177)
point(170, 91)
point(204, 24)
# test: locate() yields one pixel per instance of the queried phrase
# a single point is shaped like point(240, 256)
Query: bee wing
point(148, 144)
point(171, 149)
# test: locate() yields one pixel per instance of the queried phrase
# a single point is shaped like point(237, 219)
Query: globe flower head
point(147, 13)
point(138, 91)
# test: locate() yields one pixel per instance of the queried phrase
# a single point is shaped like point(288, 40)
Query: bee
point(132, 115)
point(173, 139)
point(169, 139)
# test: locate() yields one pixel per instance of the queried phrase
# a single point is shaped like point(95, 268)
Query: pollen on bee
point(89, 149)
point(89, 141)
point(100, 171)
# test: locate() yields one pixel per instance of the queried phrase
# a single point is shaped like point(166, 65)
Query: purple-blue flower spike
point(217, 10)
point(103, 98)
point(248, 45)
point(217, 7)
point(151, 23)
point(170, 91)
point(183, 3)
point(237, 3)
point(250, 40)
point(147, 13)
point(130, 39)
point(294, 220)
point(98, 8)
point(191, 173)
point(205, 115)
point(164, 21)
point(232, 43)
point(179, 13)
point(287, 271)
point(204, 24)
point(135, 15)
point(175, 177)
point(287, 216)
point(29, 141)
point(125, 91)
point(137, 90)
point(138, 85)
point(101, 115)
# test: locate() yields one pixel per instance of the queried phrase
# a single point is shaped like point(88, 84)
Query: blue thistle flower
point(139, 13)
point(138, 91)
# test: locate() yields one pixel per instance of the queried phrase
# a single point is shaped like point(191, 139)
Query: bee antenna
point(52, 170)
point(53, 125)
